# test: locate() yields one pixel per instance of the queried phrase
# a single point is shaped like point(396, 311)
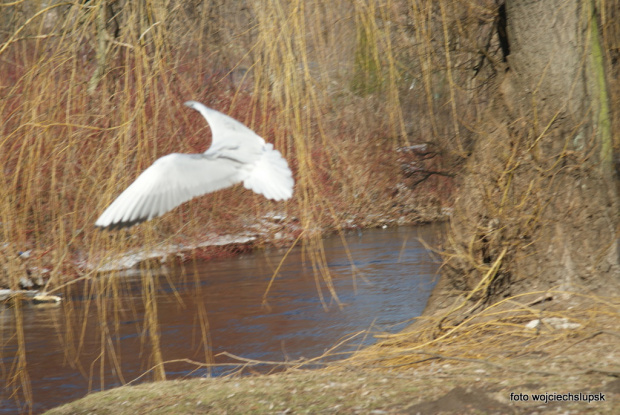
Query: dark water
point(220, 303)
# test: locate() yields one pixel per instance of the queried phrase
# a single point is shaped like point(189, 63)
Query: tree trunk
point(538, 206)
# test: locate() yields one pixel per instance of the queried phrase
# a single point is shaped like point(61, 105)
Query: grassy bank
point(472, 369)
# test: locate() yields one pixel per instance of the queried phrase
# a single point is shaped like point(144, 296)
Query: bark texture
point(538, 205)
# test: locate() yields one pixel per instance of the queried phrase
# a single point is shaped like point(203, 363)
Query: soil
point(491, 364)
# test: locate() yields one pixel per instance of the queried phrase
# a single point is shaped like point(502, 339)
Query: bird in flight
point(237, 155)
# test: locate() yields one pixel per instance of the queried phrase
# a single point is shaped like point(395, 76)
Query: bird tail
point(271, 176)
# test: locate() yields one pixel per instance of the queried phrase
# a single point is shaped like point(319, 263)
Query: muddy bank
point(458, 390)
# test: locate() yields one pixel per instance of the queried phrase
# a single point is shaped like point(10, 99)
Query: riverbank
point(35, 269)
point(497, 363)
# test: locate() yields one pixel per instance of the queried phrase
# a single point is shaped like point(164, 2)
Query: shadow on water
point(394, 279)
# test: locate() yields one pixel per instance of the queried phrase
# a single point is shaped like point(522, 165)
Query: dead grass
point(498, 332)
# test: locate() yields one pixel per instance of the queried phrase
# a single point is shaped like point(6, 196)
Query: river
point(220, 303)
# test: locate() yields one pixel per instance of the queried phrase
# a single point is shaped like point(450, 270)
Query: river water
point(220, 303)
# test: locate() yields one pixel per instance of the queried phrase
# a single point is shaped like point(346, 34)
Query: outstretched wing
point(170, 181)
point(236, 155)
point(229, 134)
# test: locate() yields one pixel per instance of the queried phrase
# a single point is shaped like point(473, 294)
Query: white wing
point(270, 176)
point(236, 155)
point(228, 133)
point(265, 172)
point(170, 181)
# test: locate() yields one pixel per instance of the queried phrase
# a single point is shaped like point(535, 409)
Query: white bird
point(237, 154)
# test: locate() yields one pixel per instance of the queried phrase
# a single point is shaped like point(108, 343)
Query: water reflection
point(219, 303)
